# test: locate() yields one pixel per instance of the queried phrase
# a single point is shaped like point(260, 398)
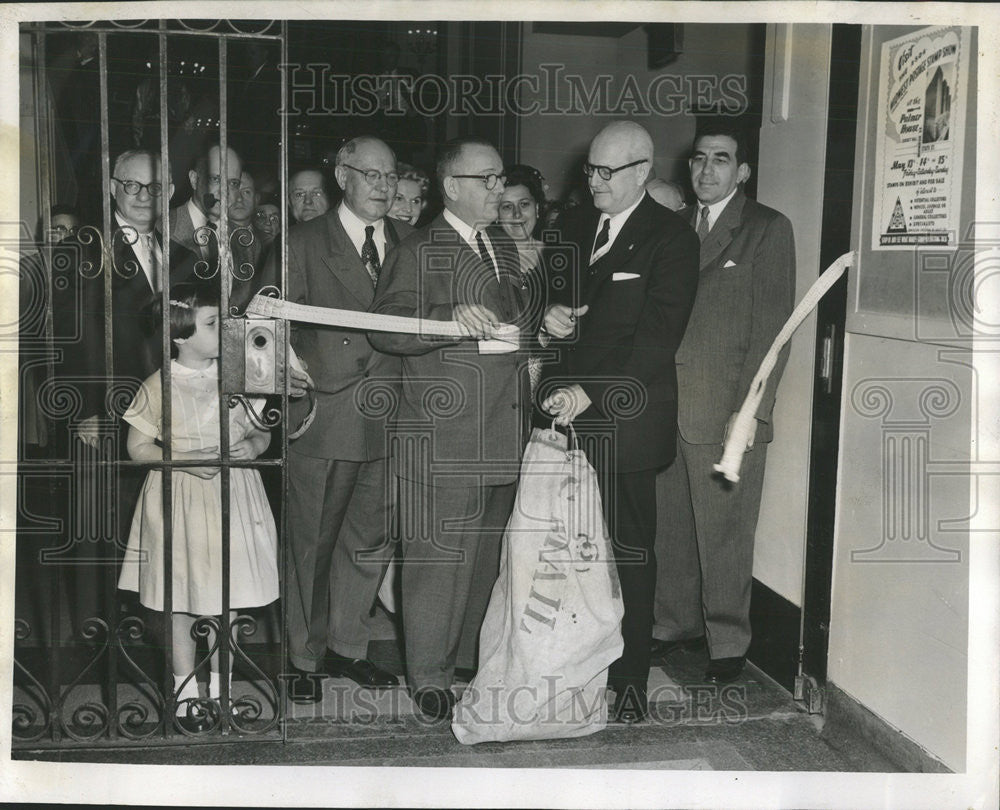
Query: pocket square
point(623, 276)
point(729, 263)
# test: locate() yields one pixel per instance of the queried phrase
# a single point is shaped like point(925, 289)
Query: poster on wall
point(923, 84)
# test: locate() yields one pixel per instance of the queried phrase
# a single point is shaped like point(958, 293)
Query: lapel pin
point(631, 246)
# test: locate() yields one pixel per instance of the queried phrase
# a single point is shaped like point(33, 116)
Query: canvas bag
point(553, 624)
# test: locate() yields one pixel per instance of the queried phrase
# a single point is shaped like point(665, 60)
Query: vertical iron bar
point(224, 281)
point(43, 143)
point(283, 208)
point(111, 569)
point(167, 474)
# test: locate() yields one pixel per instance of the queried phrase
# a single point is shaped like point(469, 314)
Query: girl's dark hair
point(185, 299)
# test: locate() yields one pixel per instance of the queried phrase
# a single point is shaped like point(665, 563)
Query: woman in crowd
point(411, 195)
point(521, 208)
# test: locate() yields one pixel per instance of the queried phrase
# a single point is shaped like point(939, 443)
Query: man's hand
point(729, 427)
point(565, 404)
point(88, 431)
point(477, 321)
point(560, 320)
point(299, 382)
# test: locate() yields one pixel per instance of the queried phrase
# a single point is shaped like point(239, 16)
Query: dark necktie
point(211, 252)
point(602, 238)
point(369, 255)
point(484, 253)
point(703, 223)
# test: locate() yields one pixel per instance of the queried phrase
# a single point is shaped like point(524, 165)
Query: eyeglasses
point(605, 172)
point(263, 216)
point(133, 187)
point(489, 180)
point(373, 176)
point(232, 182)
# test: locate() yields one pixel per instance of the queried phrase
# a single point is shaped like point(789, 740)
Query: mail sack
point(553, 624)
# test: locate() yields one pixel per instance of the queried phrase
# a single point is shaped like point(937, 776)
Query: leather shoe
point(360, 670)
point(305, 687)
point(725, 670)
point(661, 649)
point(434, 703)
point(631, 705)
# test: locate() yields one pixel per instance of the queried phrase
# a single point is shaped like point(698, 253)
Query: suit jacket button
point(514, 405)
point(347, 341)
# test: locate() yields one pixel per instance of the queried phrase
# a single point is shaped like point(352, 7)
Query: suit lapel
point(621, 250)
point(343, 261)
point(721, 235)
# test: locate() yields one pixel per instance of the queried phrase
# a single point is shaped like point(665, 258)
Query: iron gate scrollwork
point(92, 666)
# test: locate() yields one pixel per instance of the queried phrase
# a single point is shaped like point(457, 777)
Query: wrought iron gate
point(92, 666)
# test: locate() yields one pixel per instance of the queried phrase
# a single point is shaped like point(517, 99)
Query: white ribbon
point(739, 434)
point(505, 336)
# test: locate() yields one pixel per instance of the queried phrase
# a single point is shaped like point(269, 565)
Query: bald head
point(669, 195)
point(620, 158)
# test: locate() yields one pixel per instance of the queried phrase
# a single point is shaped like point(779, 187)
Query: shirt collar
point(466, 231)
point(126, 224)
point(618, 220)
point(198, 218)
point(717, 208)
point(355, 226)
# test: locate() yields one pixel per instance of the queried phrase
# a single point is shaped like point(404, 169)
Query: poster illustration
point(918, 158)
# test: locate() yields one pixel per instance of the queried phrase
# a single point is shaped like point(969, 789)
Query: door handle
point(826, 358)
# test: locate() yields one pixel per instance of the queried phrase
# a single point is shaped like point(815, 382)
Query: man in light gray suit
point(746, 291)
point(338, 499)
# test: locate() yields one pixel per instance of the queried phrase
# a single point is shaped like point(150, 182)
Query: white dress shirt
point(355, 227)
point(617, 222)
point(147, 251)
point(714, 210)
point(468, 233)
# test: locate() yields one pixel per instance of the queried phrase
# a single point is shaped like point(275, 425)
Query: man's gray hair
point(129, 154)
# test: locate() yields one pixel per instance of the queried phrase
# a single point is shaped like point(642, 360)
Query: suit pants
point(629, 502)
point(338, 549)
point(450, 540)
point(704, 548)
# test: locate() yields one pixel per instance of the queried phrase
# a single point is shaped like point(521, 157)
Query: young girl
point(196, 496)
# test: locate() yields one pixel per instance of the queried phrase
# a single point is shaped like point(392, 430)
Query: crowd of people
point(648, 335)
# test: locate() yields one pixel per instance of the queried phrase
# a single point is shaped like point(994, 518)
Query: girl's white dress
point(197, 507)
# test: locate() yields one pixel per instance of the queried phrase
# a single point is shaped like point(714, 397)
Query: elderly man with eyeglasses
point(616, 328)
point(338, 494)
point(456, 475)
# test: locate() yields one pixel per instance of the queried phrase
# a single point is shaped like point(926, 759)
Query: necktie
point(485, 254)
point(369, 255)
point(154, 260)
point(703, 223)
point(602, 238)
point(211, 250)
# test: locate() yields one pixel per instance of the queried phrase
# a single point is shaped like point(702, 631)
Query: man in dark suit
point(194, 242)
point(134, 263)
point(338, 498)
point(460, 420)
point(746, 292)
point(617, 328)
